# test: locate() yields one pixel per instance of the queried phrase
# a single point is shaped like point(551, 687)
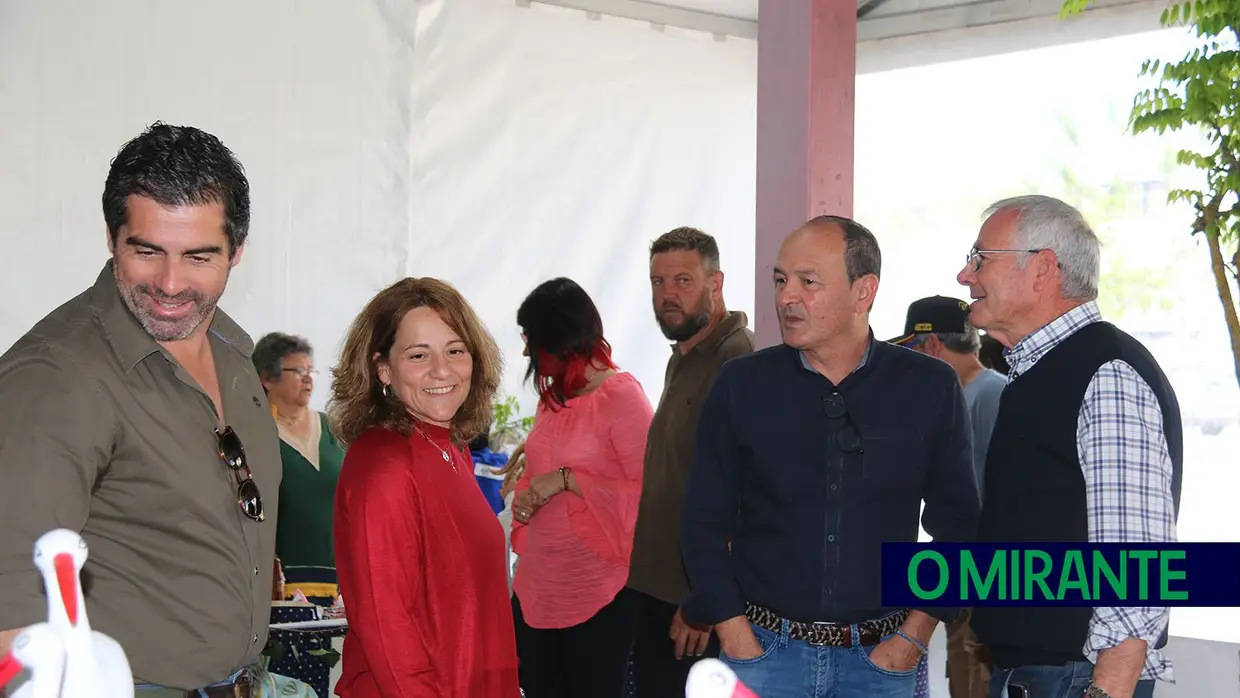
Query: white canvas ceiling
point(901, 33)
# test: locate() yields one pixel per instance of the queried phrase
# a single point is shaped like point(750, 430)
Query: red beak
point(9, 668)
point(66, 576)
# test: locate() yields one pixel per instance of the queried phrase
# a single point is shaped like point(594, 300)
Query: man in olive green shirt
point(133, 414)
point(687, 287)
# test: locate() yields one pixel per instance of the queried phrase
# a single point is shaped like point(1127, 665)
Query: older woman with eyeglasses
point(421, 553)
point(311, 457)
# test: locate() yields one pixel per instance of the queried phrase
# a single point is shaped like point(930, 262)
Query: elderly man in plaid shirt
point(1087, 447)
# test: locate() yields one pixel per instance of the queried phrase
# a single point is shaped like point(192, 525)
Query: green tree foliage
point(1201, 92)
point(1126, 289)
point(509, 427)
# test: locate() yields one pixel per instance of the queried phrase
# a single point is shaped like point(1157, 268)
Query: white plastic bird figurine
point(95, 664)
point(711, 678)
point(38, 649)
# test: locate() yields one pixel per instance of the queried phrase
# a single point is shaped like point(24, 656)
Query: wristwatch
point(1094, 691)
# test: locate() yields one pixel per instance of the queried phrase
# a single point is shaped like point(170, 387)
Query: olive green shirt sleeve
point(55, 438)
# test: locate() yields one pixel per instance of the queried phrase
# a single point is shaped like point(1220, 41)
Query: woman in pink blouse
point(576, 502)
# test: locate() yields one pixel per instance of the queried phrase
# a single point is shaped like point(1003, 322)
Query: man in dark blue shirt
point(809, 456)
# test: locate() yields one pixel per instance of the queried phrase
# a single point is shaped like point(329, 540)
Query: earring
point(388, 392)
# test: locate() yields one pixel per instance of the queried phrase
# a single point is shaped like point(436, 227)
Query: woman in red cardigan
point(420, 554)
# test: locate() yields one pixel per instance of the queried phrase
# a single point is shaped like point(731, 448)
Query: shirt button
point(831, 537)
point(832, 488)
point(255, 638)
point(256, 569)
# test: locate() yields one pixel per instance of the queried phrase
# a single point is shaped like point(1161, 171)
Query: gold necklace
point(292, 421)
point(446, 458)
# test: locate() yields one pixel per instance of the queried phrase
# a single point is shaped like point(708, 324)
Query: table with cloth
point(304, 645)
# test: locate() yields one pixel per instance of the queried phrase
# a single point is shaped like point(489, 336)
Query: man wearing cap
point(939, 326)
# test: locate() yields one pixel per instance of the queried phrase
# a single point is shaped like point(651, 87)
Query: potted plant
point(509, 428)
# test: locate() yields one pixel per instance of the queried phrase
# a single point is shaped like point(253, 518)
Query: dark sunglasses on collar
point(847, 438)
point(233, 455)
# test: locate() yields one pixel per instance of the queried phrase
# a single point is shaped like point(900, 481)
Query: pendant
point(445, 458)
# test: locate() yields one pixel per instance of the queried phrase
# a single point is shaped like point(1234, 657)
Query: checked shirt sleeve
point(1128, 473)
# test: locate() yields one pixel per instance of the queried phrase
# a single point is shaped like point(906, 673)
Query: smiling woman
point(420, 554)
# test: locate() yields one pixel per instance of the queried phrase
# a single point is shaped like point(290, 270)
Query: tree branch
point(1222, 285)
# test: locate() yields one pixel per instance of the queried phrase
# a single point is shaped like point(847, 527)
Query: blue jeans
point(790, 668)
point(150, 688)
point(1064, 681)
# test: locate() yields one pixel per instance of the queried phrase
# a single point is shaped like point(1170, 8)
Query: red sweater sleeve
point(381, 558)
point(605, 514)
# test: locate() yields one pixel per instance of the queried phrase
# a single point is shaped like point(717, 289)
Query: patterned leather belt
point(871, 632)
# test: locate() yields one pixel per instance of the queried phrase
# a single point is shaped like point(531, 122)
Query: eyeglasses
point(977, 256)
point(848, 438)
point(302, 373)
point(233, 455)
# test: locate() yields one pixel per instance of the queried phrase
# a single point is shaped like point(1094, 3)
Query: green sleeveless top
point(304, 526)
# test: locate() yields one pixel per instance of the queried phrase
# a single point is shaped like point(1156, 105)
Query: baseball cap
point(934, 314)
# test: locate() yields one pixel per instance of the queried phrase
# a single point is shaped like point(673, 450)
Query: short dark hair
point(861, 253)
point(562, 328)
point(178, 166)
point(481, 441)
point(991, 355)
point(689, 240)
point(270, 351)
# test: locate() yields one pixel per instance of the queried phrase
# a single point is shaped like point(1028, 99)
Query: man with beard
point(133, 414)
point(687, 292)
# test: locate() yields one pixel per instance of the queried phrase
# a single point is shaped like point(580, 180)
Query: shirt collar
point(865, 358)
point(1029, 350)
point(731, 322)
point(130, 340)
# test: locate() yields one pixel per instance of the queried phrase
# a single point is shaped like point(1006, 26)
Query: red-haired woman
point(576, 502)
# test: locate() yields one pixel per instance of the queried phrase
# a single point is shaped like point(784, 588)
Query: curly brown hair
point(357, 401)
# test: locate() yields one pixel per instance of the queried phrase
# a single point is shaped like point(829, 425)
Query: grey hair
point(270, 351)
point(967, 342)
point(1046, 223)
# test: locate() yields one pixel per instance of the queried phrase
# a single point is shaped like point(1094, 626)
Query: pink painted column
point(807, 66)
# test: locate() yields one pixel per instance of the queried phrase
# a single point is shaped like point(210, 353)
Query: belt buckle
point(822, 634)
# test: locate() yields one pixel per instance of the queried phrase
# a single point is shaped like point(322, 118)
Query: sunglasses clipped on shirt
point(848, 438)
point(233, 455)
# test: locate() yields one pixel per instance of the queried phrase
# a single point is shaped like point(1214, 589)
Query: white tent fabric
point(490, 145)
point(487, 144)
